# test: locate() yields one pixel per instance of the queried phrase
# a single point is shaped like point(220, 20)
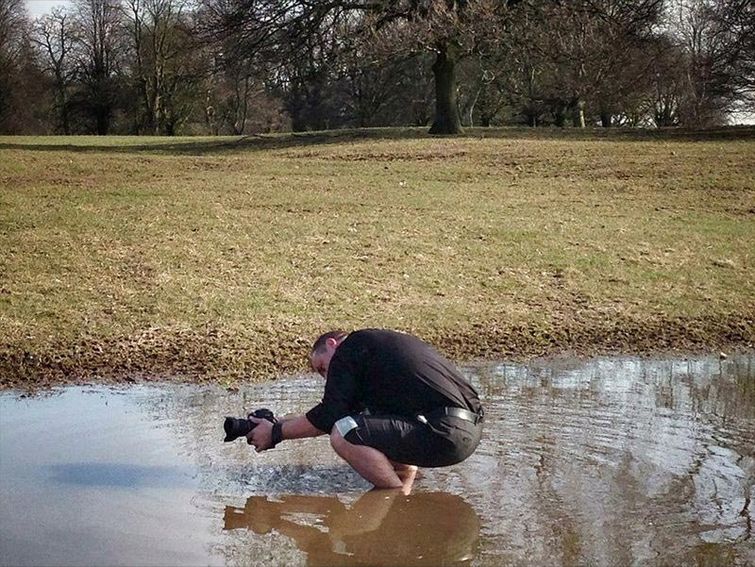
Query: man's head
point(323, 349)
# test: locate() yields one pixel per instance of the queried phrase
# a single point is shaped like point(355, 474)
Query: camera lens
point(235, 428)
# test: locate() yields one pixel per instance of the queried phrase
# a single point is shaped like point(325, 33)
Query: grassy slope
point(226, 257)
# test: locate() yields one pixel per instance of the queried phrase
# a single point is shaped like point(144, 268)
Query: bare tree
point(739, 16)
point(13, 22)
point(98, 52)
point(306, 78)
point(237, 85)
point(240, 97)
point(714, 38)
point(54, 37)
point(163, 59)
point(588, 52)
point(447, 28)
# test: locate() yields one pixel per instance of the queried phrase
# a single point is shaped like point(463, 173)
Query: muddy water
point(606, 462)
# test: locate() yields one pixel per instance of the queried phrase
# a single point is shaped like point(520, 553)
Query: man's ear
point(331, 342)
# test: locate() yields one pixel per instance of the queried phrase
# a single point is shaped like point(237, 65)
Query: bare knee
point(337, 441)
point(342, 428)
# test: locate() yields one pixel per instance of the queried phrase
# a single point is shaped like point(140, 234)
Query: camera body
point(239, 427)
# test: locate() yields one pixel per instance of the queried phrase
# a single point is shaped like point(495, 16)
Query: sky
point(39, 7)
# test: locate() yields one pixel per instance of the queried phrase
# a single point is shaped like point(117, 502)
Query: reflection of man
point(378, 529)
point(420, 409)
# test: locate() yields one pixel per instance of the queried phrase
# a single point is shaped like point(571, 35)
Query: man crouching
point(392, 403)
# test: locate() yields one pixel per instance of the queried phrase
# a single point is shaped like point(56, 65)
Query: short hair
point(319, 344)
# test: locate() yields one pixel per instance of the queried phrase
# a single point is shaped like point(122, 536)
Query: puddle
point(605, 462)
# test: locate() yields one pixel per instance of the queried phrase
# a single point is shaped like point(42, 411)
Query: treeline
point(170, 67)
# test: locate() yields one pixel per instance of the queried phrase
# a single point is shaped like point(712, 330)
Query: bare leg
point(407, 474)
point(370, 463)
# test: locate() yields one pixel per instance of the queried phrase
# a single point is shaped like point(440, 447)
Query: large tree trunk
point(65, 112)
point(102, 120)
point(447, 120)
point(559, 114)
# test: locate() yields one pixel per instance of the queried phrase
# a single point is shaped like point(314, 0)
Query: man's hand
point(261, 436)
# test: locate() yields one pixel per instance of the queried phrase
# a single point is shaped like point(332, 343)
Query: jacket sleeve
point(341, 392)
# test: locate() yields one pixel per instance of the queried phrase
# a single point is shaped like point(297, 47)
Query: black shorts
point(440, 442)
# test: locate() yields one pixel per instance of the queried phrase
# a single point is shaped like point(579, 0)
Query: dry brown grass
point(224, 258)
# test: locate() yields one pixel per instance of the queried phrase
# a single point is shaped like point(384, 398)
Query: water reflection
point(118, 475)
point(380, 528)
point(612, 461)
point(635, 460)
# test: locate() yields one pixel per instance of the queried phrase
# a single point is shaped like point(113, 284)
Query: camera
point(239, 427)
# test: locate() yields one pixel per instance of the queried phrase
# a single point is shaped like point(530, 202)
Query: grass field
point(207, 258)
